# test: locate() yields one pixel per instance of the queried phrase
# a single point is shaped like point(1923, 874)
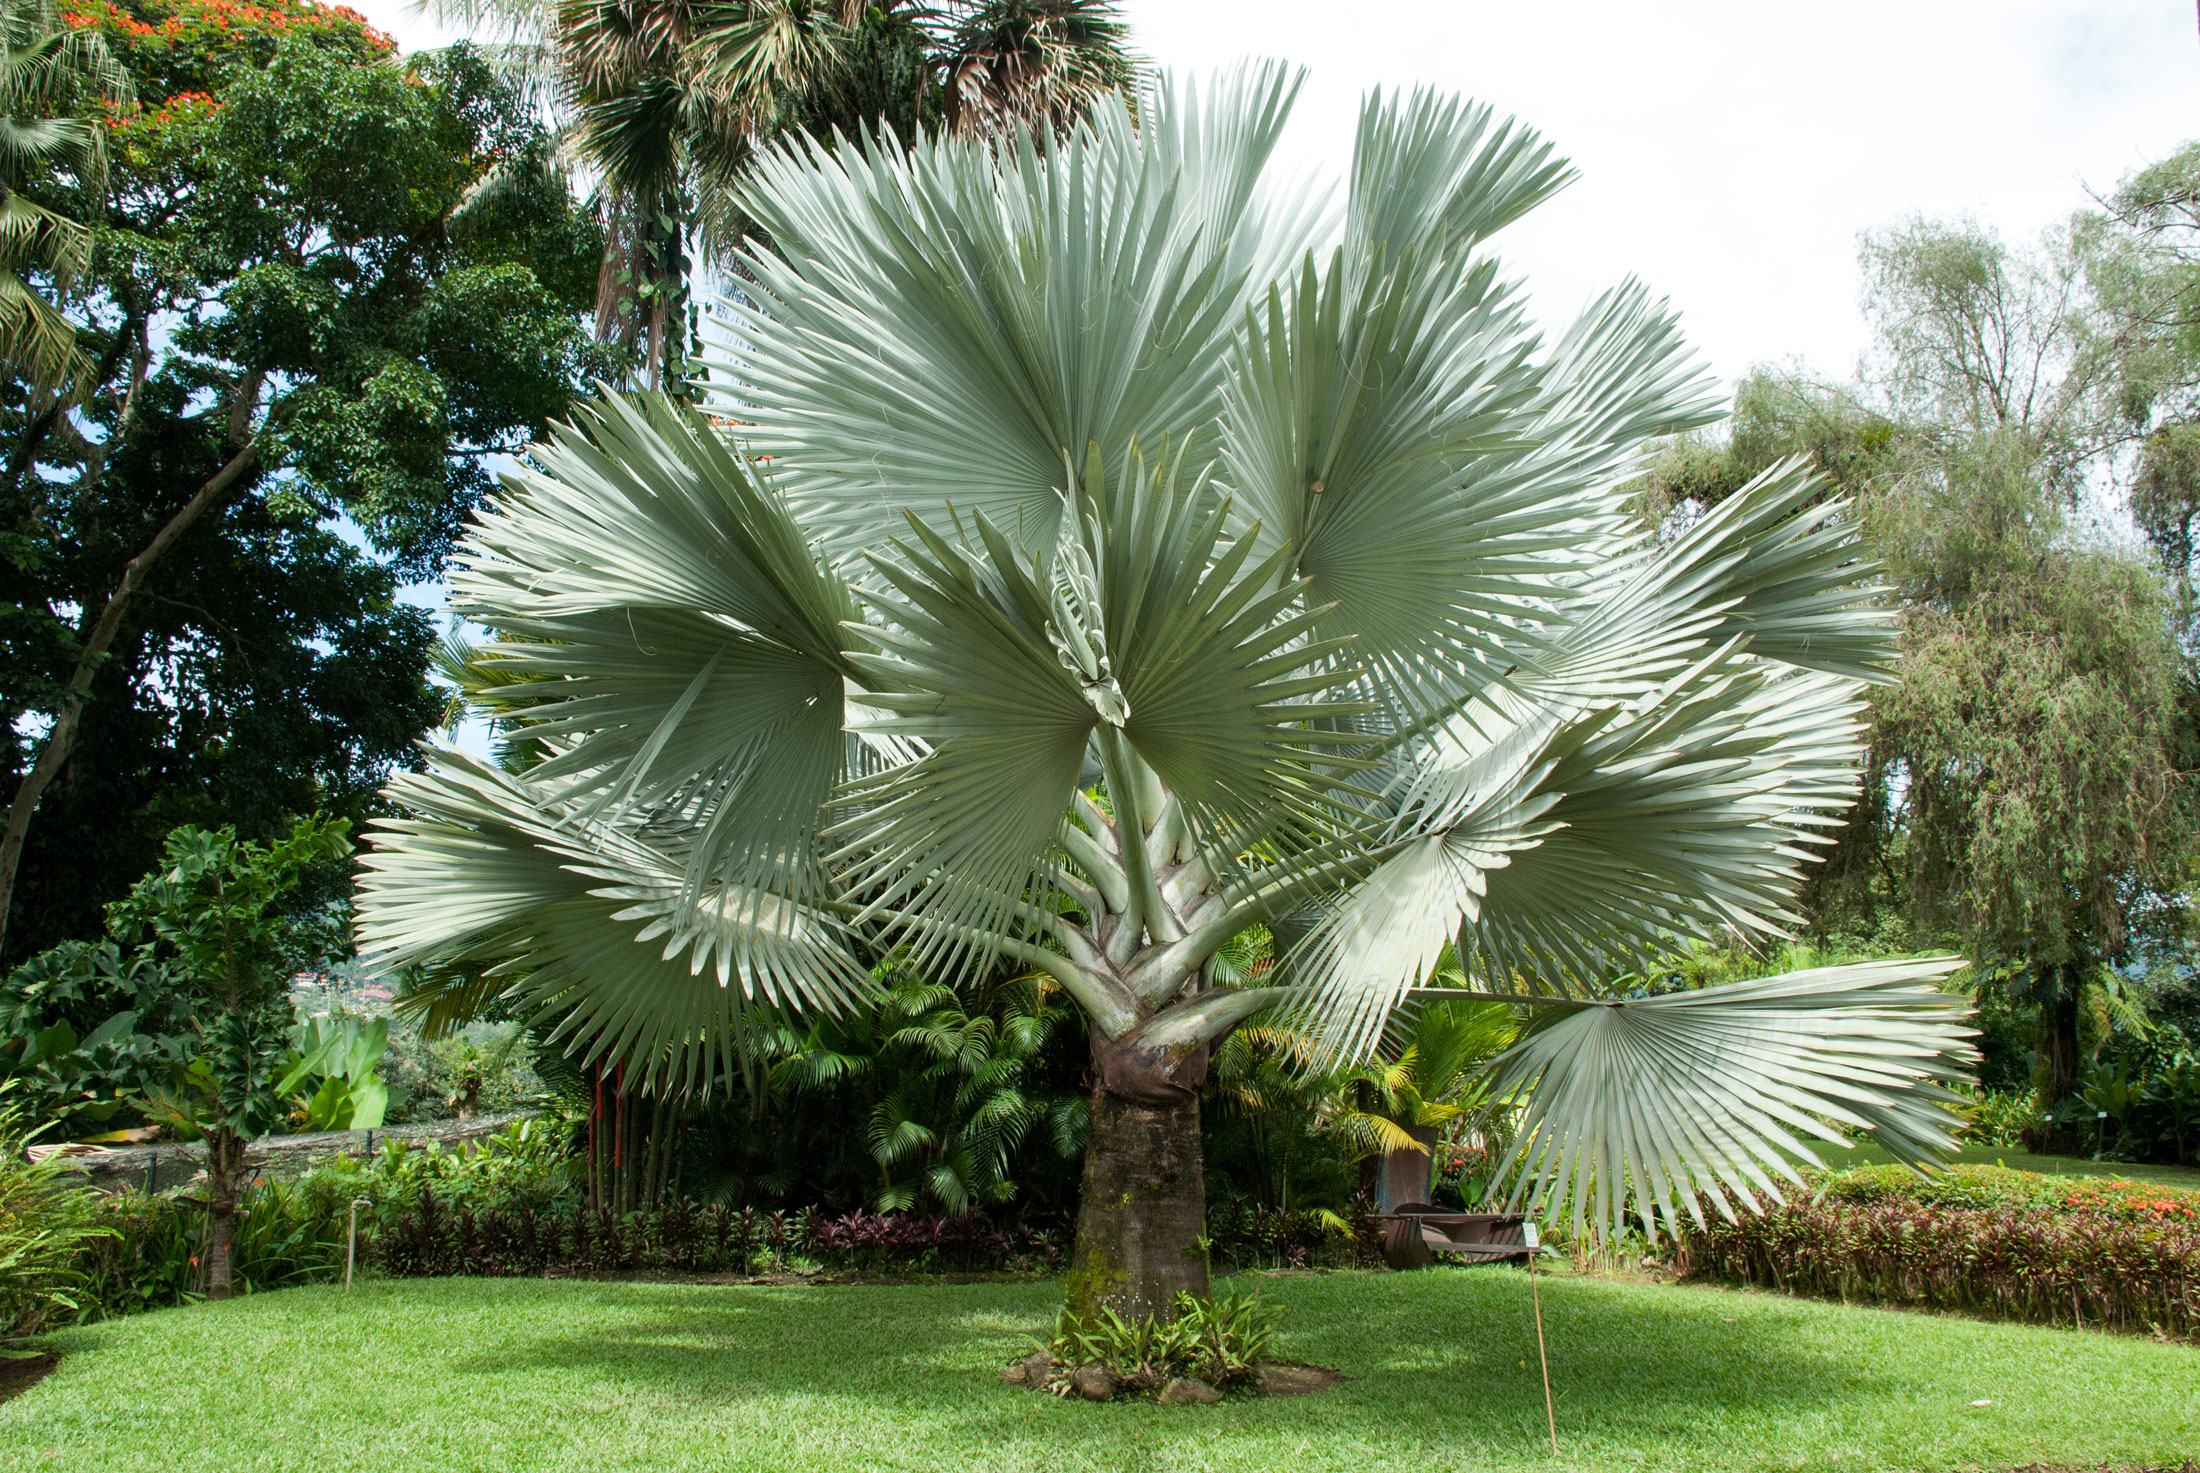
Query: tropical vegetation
point(1055, 702)
point(55, 84)
point(302, 361)
point(990, 666)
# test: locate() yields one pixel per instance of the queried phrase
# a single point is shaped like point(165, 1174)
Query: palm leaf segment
point(1099, 457)
point(54, 80)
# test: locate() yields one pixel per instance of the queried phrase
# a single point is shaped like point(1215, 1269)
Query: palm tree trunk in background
point(1142, 1210)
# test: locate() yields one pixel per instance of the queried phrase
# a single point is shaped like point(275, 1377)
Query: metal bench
point(1416, 1232)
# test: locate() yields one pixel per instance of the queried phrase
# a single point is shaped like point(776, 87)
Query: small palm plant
point(1396, 1105)
point(1103, 548)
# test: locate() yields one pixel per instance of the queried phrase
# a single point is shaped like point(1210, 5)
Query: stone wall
point(172, 1164)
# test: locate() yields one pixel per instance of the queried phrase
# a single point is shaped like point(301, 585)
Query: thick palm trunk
point(1142, 1215)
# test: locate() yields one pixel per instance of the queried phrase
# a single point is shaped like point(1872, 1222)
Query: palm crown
point(1122, 550)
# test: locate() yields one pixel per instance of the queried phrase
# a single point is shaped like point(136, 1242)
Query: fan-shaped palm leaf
point(1717, 1091)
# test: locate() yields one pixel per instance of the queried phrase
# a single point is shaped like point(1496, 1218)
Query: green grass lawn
point(2175, 1176)
point(511, 1374)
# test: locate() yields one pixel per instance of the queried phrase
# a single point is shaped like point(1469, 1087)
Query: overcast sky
point(1731, 150)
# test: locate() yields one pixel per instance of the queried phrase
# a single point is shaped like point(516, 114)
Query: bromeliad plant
point(1146, 553)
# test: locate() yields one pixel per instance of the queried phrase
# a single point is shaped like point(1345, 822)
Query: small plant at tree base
point(1220, 1340)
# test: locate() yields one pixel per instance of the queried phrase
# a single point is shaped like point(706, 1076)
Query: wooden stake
point(1550, 1409)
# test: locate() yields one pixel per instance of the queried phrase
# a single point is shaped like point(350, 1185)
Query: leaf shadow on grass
point(932, 1354)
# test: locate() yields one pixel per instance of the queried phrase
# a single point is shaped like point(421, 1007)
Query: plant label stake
point(1534, 1240)
point(351, 1239)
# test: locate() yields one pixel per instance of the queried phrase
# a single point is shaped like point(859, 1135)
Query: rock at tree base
point(1187, 1390)
point(1032, 1370)
point(1280, 1379)
point(1092, 1383)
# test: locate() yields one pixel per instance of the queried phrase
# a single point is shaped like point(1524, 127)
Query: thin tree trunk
point(225, 1162)
point(60, 742)
point(2059, 1017)
point(1142, 1212)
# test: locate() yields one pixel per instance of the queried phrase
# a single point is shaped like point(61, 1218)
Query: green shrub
point(1980, 1239)
point(45, 1220)
point(1222, 1341)
point(527, 1166)
point(146, 1255)
point(1998, 1117)
point(459, 1077)
point(1948, 1186)
point(146, 1259)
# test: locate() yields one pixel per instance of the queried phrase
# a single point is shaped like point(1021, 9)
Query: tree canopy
point(2029, 791)
point(305, 352)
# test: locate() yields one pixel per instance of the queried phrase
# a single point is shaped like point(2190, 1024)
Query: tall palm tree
point(668, 101)
point(1124, 553)
point(55, 81)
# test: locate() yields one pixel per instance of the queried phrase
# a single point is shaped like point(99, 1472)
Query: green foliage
point(1436, 1074)
point(343, 1055)
point(86, 1029)
point(527, 1166)
point(56, 81)
point(150, 1249)
point(286, 209)
point(192, 983)
point(46, 1221)
point(959, 1103)
point(1221, 1340)
point(1265, 1149)
point(460, 1076)
point(1998, 1117)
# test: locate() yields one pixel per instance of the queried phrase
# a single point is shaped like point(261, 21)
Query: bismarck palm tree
point(54, 79)
point(1123, 553)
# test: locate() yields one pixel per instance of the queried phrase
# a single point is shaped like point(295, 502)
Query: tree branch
point(60, 742)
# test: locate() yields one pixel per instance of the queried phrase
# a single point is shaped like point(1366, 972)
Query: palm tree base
point(1142, 1214)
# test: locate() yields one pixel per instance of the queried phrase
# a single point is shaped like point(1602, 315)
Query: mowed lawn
point(2010, 1156)
point(509, 1374)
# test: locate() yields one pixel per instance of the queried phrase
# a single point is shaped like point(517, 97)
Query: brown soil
point(1275, 1378)
point(1289, 1378)
point(19, 1376)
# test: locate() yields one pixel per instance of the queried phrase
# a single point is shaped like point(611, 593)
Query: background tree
point(297, 346)
point(667, 102)
point(976, 674)
point(2143, 264)
point(2028, 794)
